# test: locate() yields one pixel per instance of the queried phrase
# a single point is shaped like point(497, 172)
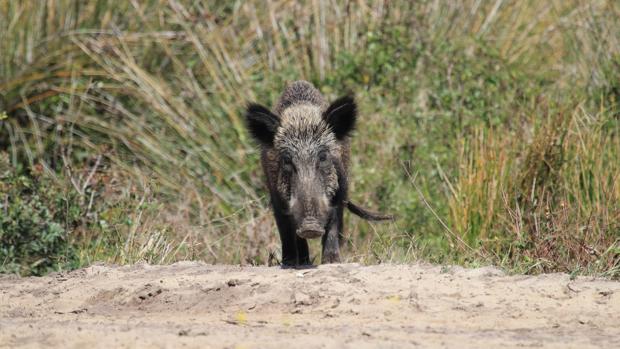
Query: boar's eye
point(323, 157)
point(287, 162)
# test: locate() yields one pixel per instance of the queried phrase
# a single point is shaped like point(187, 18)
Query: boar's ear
point(261, 123)
point(341, 115)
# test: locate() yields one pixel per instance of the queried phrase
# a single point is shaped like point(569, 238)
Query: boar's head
point(304, 145)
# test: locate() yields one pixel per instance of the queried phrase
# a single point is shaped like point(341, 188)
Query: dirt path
point(389, 306)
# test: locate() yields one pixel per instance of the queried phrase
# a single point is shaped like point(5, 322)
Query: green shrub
point(32, 241)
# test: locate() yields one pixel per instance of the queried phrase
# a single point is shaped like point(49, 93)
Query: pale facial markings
point(307, 150)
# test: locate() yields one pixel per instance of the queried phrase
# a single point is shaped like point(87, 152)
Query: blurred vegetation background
point(491, 128)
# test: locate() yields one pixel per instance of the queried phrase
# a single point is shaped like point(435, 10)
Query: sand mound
point(333, 306)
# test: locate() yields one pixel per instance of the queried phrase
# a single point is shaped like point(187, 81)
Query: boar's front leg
point(303, 252)
point(294, 249)
point(331, 239)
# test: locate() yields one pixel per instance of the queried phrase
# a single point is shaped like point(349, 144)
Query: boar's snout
point(310, 229)
point(309, 206)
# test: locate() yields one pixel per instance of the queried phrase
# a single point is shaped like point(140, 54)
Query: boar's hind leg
point(331, 240)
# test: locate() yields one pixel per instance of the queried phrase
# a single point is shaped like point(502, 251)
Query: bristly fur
point(303, 129)
point(299, 92)
point(305, 157)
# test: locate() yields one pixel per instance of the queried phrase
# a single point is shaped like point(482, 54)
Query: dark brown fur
point(305, 157)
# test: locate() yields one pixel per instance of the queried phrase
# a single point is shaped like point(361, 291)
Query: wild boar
point(305, 158)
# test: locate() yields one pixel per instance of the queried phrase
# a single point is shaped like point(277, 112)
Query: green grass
point(490, 128)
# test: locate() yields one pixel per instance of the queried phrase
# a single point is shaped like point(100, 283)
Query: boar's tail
point(368, 215)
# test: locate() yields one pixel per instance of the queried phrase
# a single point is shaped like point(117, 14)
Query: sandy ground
point(334, 306)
